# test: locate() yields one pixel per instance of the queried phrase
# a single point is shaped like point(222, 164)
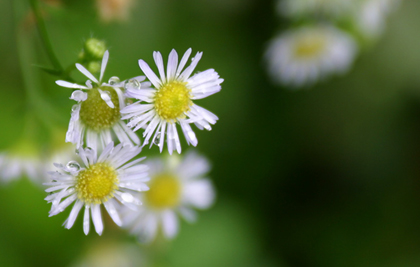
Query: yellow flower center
point(97, 183)
point(164, 192)
point(95, 112)
point(172, 100)
point(309, 46)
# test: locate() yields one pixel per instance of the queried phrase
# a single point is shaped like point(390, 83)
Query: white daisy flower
point(16, 166)
point(372, 14)
point(97, 117)
point(107, 179)
point(305, 55)
point(331, 8)
point(170, 102)
point(176, 186)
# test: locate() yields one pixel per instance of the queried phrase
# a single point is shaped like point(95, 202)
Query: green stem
point(44, 35)
point(36, 103)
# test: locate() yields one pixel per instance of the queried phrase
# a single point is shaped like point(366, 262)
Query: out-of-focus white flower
point(109, 179)
point(96, 119)
point(110, 253)
point(170, 102)
point(23, 159)
point(13, 166)
point(330, 8)
point(176, 186)
point(305, 55)
point(372, 14)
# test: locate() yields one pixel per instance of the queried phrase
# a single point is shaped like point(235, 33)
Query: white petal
point(162, 136)
point(199, 193)
point(107, 98)
point(188, 133)
point(183, 61)
point(73, 214)
point(172, 65)
point(112, 211)
point(97, 218)
point(169, 224)
point(79, 95)
point(187, 72)
point(70, 85)
point(103, 64)
point(86, 73)
point(159, 63)
point(149, 73)
point(86, 220)
point(189, 214)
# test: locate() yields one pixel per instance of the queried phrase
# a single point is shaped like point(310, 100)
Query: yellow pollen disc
point(172, 100)
point(97, 183)
point(309, 46)
point(164, 192)
point(96, 114)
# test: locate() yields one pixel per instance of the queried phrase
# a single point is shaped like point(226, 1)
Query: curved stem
point(44, 35)
point(36, 103)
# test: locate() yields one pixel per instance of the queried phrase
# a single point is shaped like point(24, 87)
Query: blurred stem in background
point(35, 102)
point(44, 36)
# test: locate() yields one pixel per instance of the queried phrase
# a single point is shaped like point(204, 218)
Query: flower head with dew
point(96, 119)
point(305, 55)
point(109, 179)
point(170, 102)
point(176, 186)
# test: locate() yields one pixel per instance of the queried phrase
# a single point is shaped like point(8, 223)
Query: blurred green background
point(326, 176)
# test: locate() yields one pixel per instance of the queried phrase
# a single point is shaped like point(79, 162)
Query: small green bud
point(94, 49)
point(94, 66)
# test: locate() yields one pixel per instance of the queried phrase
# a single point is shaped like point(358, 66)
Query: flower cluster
point(113, 112)
point(324, 39)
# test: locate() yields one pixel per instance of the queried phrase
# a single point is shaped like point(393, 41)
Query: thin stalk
point(44, 35)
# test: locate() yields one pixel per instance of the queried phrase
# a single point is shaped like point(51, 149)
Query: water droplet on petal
point(113, 80)
point(126, 197)
point(74, 108)
point(156, 141)
point(73, 166)
point(89, 152)
point(132, 84)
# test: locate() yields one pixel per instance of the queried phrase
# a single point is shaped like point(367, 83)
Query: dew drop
point(74, 107)
point(73, 166)
point(132, 84)
point(89, 152)
point(126, 197)
point(113, 80)
point(156, 141)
